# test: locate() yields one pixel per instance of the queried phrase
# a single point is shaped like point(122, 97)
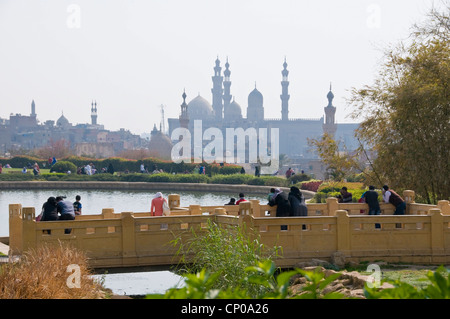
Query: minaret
point(226, 93)
point(217, 91)
point(284, 93)
point(330, 126)
point(184, 116)
point(94, 113)
point(33, 109)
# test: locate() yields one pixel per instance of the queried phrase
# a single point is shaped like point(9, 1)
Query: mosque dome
point(62, 121)
point(199, 109)
point(160, 144)
point(235, 110)
point(255, 99)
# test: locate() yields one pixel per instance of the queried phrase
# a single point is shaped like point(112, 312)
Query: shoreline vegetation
point(147, 171)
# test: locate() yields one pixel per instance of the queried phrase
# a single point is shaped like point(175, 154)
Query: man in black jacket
point(371, 198)
point(280, 199)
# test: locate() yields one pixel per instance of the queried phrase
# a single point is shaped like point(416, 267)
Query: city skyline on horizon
point(133, 57)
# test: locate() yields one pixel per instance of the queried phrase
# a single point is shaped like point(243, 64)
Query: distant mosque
point(87, 139)
point(225, 112)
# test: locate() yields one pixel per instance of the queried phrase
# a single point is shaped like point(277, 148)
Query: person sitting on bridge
point(241, 198)
point(156, 208)
point(232, 201)
point(281, 200)
point(77, 206)
point(66, 211)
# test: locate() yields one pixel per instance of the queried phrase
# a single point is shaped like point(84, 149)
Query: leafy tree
point(406, 112)
point(338, 161)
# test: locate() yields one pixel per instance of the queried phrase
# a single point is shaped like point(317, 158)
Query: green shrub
point(276, 181)
point(230, 179)
point(105, 178)
point(297, 178)
point(257, 181)
point(63, 167)
point(189, 178)
point(21, 161)
point(16, 177)
point(161, 178)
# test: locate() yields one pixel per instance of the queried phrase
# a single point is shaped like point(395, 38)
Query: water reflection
point(140, 283)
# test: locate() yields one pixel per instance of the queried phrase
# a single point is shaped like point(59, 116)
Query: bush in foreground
point(44, 273)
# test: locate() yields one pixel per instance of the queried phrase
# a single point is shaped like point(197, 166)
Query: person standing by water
point(156, 208)
point(345, 196)
point(390, 196)
point(371, 198)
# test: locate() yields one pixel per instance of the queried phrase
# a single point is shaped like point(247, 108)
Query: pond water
point(130, 283)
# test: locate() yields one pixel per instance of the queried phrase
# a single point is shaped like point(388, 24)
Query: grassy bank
point(235, 179)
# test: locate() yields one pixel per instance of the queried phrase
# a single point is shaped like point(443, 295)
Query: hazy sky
point(132, 56)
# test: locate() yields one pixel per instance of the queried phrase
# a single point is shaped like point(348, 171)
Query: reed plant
point(226, 251)
point(46, 273)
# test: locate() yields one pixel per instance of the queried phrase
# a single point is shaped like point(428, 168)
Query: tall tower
point(284, 93)
point(226, 93)
point(33, 109)
point(330, 126)
point(184, 116)
point(94, 113)
point(217, 91)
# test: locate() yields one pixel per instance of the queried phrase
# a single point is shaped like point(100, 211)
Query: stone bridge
point(130, 239)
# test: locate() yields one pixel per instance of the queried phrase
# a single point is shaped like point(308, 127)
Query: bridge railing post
point(343, 232)
point(437, 232)
point(256, 208)
point(245, 214)
point(108, 213)
point(29, 228)
point(15, 229)
point(410, 197)
point(219, 211)
point(128, 238)
point(444, 206)
point(174, 200)
point(195, 209)
point(332, 206)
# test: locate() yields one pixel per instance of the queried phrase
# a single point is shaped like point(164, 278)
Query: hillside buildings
point(90, 139)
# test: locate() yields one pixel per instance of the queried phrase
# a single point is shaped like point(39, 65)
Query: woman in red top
point(157, 205)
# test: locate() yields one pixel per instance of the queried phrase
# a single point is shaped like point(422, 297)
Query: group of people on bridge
point(287, 204)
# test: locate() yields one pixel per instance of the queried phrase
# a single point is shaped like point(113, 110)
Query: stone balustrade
point(124, 239)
